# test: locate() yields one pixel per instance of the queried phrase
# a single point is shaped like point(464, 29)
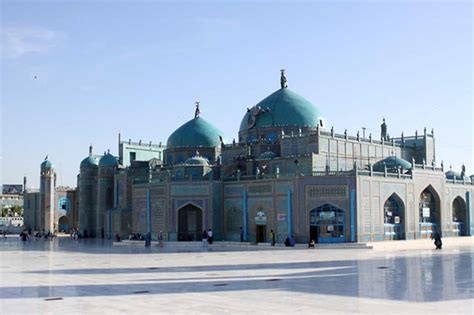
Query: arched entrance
point(327, 224)
point(430, 221)
point(189, 223)
point(394, 218)
point(459, 217)
point(63, 223)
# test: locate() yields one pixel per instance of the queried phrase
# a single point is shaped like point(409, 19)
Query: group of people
point(148, 239)
point(207, 237)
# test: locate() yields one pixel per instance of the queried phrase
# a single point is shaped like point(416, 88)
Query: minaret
point(46, 199)
point(87, 183)
point(105, 191)
point(24, 184)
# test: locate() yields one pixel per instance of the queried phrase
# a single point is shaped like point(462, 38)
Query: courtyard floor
point(92, 276)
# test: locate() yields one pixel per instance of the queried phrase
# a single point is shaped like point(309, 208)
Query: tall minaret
point(46, 200)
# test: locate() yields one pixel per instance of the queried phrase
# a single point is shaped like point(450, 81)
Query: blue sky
point(137, 67)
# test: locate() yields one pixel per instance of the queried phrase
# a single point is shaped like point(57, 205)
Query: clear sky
point(78, 72)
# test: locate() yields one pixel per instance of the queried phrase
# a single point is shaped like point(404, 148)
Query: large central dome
point(282, 108)
point(195, 133)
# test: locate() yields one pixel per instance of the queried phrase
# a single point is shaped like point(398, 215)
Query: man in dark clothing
point(241, 234)
point(437, 241)
point(148, 239)
point(273, 237)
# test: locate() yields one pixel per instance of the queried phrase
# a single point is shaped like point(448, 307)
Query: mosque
point(287, 172)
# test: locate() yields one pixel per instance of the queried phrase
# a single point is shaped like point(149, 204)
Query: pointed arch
point(394, 217)
point(429, 212)
point(459, 216)
point(190, 223)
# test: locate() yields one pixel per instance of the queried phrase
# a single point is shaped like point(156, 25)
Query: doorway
point(260, 234)
point(189, 224)
point(327, 224)
point(63, 224)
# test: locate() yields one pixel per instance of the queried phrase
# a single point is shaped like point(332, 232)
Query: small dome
point(392, 163)
point(282, 108)
point(456, 176)
point(197, 160)
point(108, 160)
point(90, 161)
point(195, 133)
point(268, 155)
point(46, 165)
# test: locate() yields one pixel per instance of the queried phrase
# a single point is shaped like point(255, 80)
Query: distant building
point(51, 208)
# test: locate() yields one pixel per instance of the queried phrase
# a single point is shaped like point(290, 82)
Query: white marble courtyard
point(89, 277)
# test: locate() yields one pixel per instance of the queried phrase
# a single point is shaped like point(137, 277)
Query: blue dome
point(46, 165)
point(456, 176)
point(90, 161)
point(108, 160)
point(195, 133)
point(282, 108)
point(268, 155)
point(197, 160)
point(392, 163)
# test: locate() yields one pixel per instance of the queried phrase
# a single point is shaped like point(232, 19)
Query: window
point(133, 156)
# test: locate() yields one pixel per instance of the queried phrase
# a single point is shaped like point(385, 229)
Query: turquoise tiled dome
point(197, 160)
point(392, 163)
point(268, 155)
point(90, 161)
point(455, 175)
point(282, 108)
point(46, 165)
point(108, 160)
point(195, 133)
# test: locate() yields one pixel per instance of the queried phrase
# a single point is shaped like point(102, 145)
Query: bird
point(35, 77)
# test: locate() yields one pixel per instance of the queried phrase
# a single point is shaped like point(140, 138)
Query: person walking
point(273, 237)
point(160, 239)
point(437, 241)
point(209, 236)
point(204, 239)
point(148, 239)
point(241, 235)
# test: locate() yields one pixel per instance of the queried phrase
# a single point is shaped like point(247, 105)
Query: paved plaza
point(92, 276)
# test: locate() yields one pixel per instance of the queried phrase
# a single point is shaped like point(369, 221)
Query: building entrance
point(429, 213)
point(260, 234)
point(327, 224)
point(189, 224)
point(394, 218)
point(63, 224)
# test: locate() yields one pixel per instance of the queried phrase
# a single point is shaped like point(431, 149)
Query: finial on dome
point(90, 150)
point(283, 80)
point(197, 112)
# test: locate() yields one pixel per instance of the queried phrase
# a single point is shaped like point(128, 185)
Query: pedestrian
point(437, 241)
point(209, 237)
point(148, 239)
point(273, 237)
point(160, 239)
point(204, 239)
point(241, 234)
